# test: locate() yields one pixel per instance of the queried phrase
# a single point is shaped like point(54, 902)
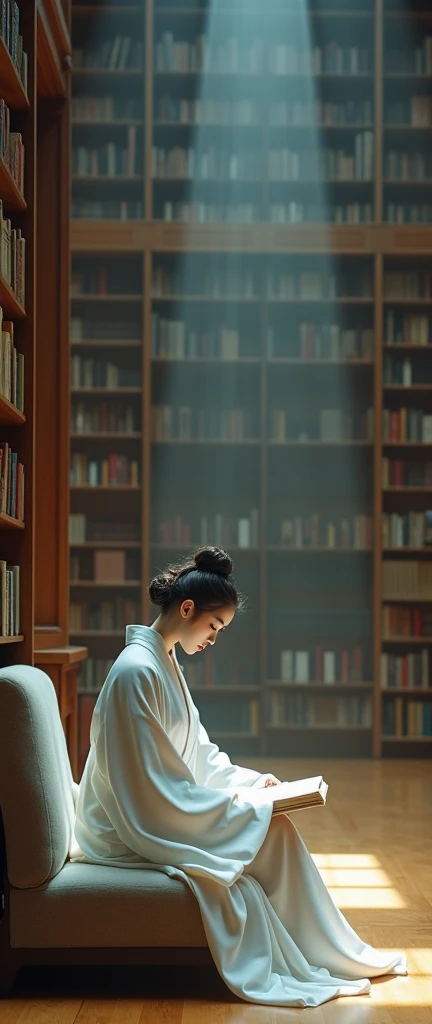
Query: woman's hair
point(205, 580)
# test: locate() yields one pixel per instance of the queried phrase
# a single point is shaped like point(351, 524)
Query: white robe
point(156, 792)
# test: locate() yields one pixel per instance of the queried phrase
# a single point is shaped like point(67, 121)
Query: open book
point(289, 796)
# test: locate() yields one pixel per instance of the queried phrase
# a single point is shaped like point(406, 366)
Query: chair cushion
point(97, 906)
point(35, 777)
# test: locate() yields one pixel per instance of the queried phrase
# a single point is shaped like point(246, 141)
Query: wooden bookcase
point(264, 288)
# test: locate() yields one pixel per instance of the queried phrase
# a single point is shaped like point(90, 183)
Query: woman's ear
point(186, 609)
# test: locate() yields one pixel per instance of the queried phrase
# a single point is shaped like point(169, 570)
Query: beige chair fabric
point(96, 906)
point(35, 777)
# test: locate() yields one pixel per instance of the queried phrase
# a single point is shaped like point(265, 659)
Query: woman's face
point(197, 631)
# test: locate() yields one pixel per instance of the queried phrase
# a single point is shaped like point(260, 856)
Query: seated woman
point(156, 791)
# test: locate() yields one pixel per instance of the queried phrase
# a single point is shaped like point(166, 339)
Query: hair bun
point(210, 559)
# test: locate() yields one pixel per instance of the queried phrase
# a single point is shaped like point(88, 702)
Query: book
point(289, 796)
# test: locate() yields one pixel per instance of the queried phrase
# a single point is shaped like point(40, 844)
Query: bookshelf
point(280, 202)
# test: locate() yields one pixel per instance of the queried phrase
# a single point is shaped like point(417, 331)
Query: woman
point(155, 790)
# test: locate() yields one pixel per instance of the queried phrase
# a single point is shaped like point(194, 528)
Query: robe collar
point(149, 638)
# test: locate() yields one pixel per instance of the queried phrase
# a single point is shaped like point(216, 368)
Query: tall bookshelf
point(17, 283)
point(278, 200)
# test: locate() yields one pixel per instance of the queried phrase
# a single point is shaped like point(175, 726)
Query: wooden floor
point(373, 845)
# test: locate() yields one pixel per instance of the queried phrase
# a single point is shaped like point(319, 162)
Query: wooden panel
point(103, 236)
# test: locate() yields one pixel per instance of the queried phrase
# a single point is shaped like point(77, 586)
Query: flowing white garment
point(156, 792)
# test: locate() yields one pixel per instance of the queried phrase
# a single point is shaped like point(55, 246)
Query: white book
point(287, 796)
point(301, 667)
point(287, 666)
point(329, 667)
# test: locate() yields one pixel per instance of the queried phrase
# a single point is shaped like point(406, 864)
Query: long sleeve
point(156, 806)
point(215, 770)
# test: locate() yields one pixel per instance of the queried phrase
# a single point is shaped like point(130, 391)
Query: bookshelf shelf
point(121, 297)
point(406, 739)
point(97, 633)
point(407, 600)
point(319, 687)
point(407, 640)
point(89, 545)
point(120, 584)
point(9, 302)
point(109, 343)
point(283, 726)
point(234, 690)
point(9, 523)
point(9, 191)
point(407, 691)
point(109, 488)
point(11, 87)
point(9, 413)
point(106, 391)
point(114, 434)
point(285, 549)
point(11, 639)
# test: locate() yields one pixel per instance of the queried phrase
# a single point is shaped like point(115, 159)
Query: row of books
point(82, 529)
point(243, 716)
point(121, 53)
point(402, 717)
point(400, 371)
point(410, 530)
point(408, 213)
point(11, 483)
point(220, 282)
point(83, 328)
point(401, 165)
point(322, 341)
point(10, 34)
point(107, 209)
point(207, 673)
point(305, 710)
point(408, 284)
point(99, 373)
point(407, 328)
point(234, 55)
point(414, 112)
point(277, 113)
point(184, 423)
point(400, 622)
point(104, 417)
point(405, 424)
point(415, 60)
point(110, 278)
point(11, 147)
point(12, 256)
point(407, 578)
point(115, 469)
point(105, 108)
point(104, 566)
point(111, 159)
point(9, 599)
point(314, 531)
point(328, 425)
point(337, 213)
point(322, 666)
point(218, 529)
point(174, 339)
point(406, 670)
point(211, 161)
point(11, 366)
point(401, 473)
point(275, 213)
point(93, 672)
point(104, 616)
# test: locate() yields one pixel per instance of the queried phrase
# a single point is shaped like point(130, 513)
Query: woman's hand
point(271, 782)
